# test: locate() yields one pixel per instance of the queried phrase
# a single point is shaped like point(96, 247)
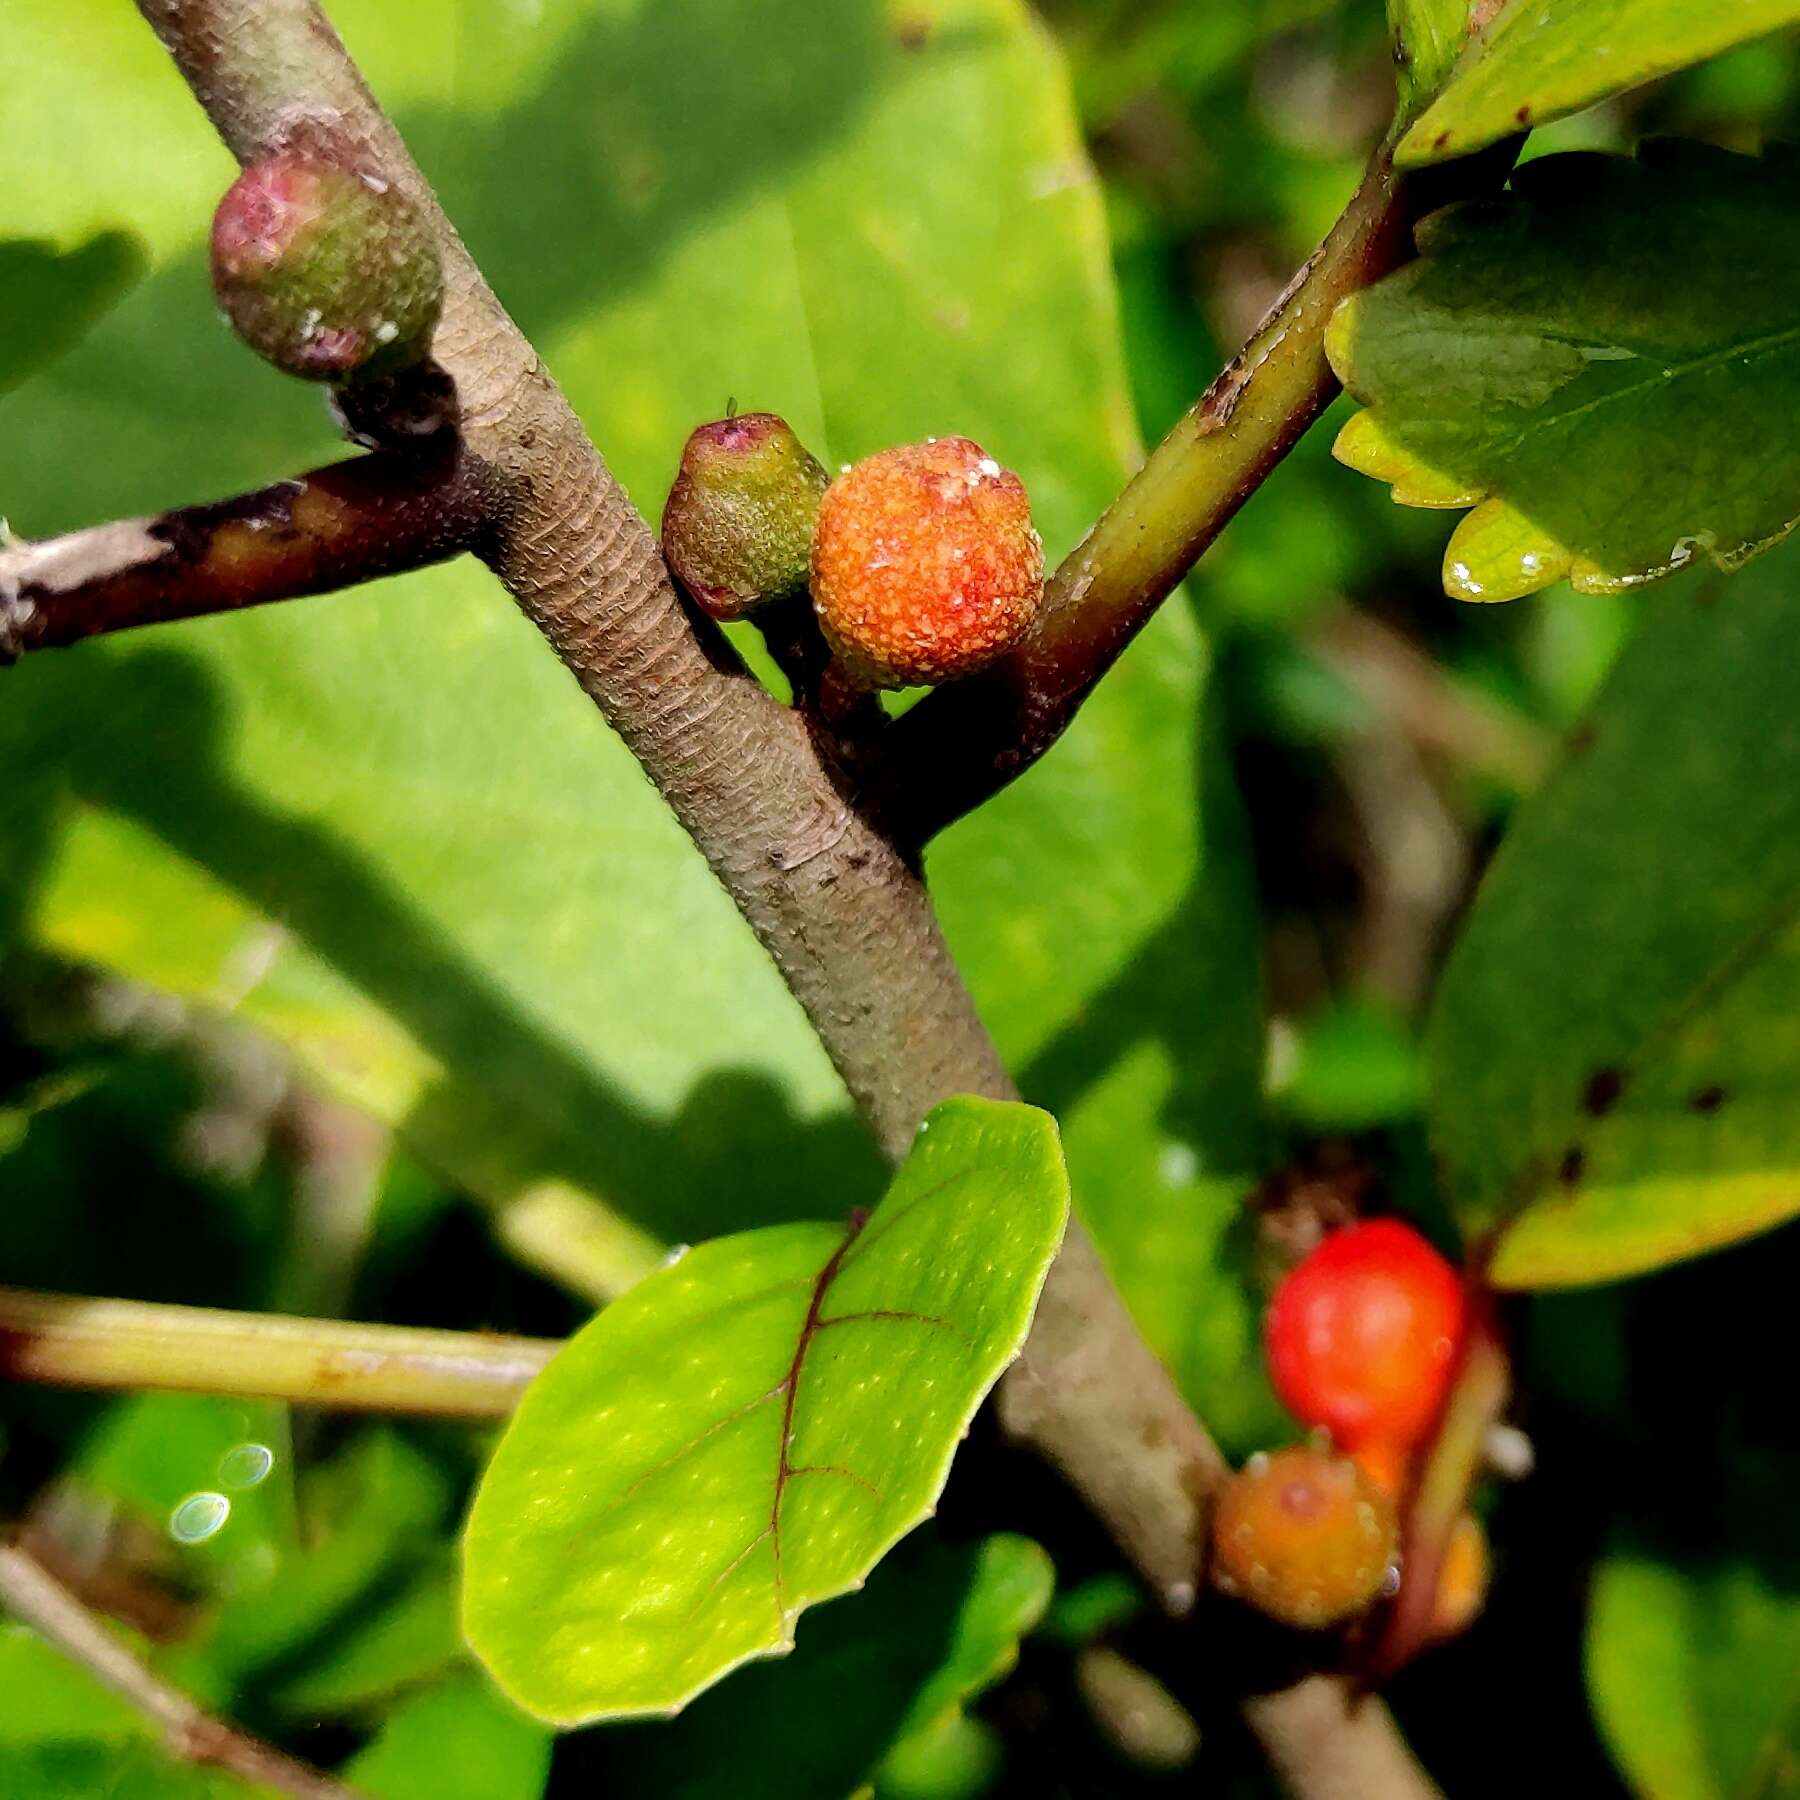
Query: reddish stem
point(335, 527)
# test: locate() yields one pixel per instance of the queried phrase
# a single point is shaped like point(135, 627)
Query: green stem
point(1476, 1400)
point(963, 743)
point(68, 1341)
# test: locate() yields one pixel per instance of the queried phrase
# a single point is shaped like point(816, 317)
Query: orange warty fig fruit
point(925, 566)
point(1303, 1537)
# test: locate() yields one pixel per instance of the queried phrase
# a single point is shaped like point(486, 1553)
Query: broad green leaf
point(1616, 1045)
point(936, 1622)
point(1692, 1670)
point(748, 1431)
point(1604, 364)
point(53, 1700)
point(387, 828)
point(48, 298)
point(1428, 37)
point(1541, 59)
point(457, 1741)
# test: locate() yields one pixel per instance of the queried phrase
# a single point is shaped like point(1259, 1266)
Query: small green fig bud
point(737, 529)
point(328, 271)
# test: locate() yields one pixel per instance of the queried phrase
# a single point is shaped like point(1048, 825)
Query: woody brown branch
point(352, 522)
point(847, 923)
point(833, 900)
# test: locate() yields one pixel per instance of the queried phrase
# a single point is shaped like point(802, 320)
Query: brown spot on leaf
point(1523, 115)
point(1581, 739)
point(912, 31)
point(1574, 1161)
point(1442, 138)
point(1707, 1099)
point(1602, 1092)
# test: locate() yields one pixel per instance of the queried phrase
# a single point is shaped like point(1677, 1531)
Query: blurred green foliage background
point(340, 942)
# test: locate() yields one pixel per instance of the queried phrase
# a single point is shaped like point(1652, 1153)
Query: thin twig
point(353, 522)
point(67, 1341)
point(1325, 1742)
point(31, 1593)
point(1475, 1403)
point(962, 744)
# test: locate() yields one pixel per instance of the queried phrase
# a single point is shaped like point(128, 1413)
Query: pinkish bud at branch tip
point(737, 528)
point(325, 269)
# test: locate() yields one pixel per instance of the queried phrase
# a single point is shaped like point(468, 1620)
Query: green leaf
point(1604, 364)
point(332, 818)
point(52, 1700)
point(1616, 1044)
point(390, 1641)
point(1541, 59)
point(959, 1758)
point(1427, 36)
point(748, 1431)
point(457, 1741)
point(80, 1771)
point(1692, 1673)
point(1009, 1589)
point(48, 298)
point(936, 1622)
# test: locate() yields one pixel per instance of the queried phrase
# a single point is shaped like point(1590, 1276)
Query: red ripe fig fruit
point(1362, 1336)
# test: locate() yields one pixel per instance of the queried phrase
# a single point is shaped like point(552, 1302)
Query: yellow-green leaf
point(1616, 1046)
point(1541, 59)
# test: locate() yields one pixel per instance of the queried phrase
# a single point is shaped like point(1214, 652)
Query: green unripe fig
point(328, 271)
point(737, 529)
